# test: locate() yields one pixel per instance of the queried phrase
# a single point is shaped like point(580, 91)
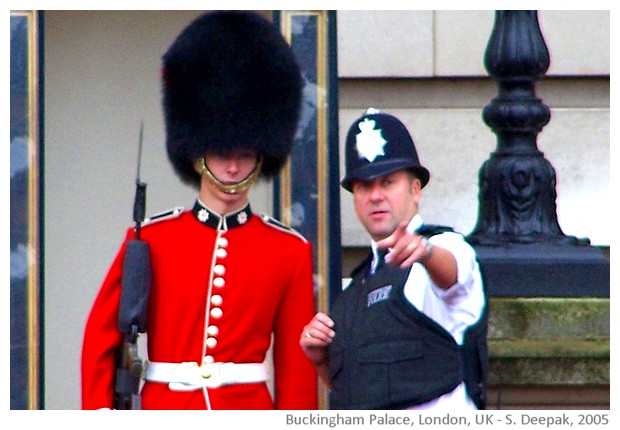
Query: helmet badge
point(370, 142)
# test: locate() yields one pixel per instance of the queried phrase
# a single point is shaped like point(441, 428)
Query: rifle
point(132, 315)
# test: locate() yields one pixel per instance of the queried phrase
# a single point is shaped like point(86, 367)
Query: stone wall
point(549, 353)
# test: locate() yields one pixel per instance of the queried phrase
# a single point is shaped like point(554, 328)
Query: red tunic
point(265, 288)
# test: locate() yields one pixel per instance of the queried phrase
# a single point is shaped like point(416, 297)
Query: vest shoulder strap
point(428, 230)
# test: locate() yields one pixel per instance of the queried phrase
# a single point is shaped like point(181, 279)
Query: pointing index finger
point(392, 239)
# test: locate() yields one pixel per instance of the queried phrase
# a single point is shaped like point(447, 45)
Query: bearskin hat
point(230, 81)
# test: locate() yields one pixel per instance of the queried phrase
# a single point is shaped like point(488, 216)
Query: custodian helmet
point(378, 144)
point(230, 81)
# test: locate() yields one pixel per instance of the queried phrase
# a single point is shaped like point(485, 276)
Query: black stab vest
point(388, 355)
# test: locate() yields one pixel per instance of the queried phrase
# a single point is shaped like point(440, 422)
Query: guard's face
point(383, 203)
point(231, 168)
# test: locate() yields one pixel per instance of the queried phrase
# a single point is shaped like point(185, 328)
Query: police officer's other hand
point(315, 337)
point(405, 248)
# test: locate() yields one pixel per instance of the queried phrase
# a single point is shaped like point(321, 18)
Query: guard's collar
point(221, 222)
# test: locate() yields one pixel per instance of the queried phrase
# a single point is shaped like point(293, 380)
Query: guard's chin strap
point(201, 167)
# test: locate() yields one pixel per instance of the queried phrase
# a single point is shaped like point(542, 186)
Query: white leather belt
point(189, 376)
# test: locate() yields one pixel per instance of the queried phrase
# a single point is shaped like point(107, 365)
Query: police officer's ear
point(416, 185)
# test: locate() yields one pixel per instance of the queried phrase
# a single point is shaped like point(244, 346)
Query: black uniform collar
point(221, 222)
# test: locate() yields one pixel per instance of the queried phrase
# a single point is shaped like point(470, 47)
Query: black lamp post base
point(544, 270)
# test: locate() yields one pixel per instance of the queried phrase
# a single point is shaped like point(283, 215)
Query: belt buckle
point(210, 375)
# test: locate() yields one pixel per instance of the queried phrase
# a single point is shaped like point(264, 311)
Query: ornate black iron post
point(522, 249)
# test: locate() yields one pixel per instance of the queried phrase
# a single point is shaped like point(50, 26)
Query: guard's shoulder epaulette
point(162, 216)
point(272, 222)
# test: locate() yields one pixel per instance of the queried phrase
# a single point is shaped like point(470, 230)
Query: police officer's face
point(383, 203)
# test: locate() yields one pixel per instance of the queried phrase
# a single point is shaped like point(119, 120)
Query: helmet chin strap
point(201, 167)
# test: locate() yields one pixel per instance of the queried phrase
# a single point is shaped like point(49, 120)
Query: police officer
point(227, 283)
point(409, 334)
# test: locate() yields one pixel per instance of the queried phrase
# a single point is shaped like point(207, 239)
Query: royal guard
point(228, 286)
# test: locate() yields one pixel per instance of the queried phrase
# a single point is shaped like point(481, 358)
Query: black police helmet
point(378, 144)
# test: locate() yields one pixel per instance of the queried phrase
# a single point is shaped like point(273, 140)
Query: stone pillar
point(522, 249)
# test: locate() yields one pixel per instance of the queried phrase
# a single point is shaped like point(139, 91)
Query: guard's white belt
point(189, 376)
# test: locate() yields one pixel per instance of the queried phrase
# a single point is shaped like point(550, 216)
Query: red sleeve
point(101, 340)
point(296, 381)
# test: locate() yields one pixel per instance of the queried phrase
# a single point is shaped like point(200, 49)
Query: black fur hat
point(230, 81)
